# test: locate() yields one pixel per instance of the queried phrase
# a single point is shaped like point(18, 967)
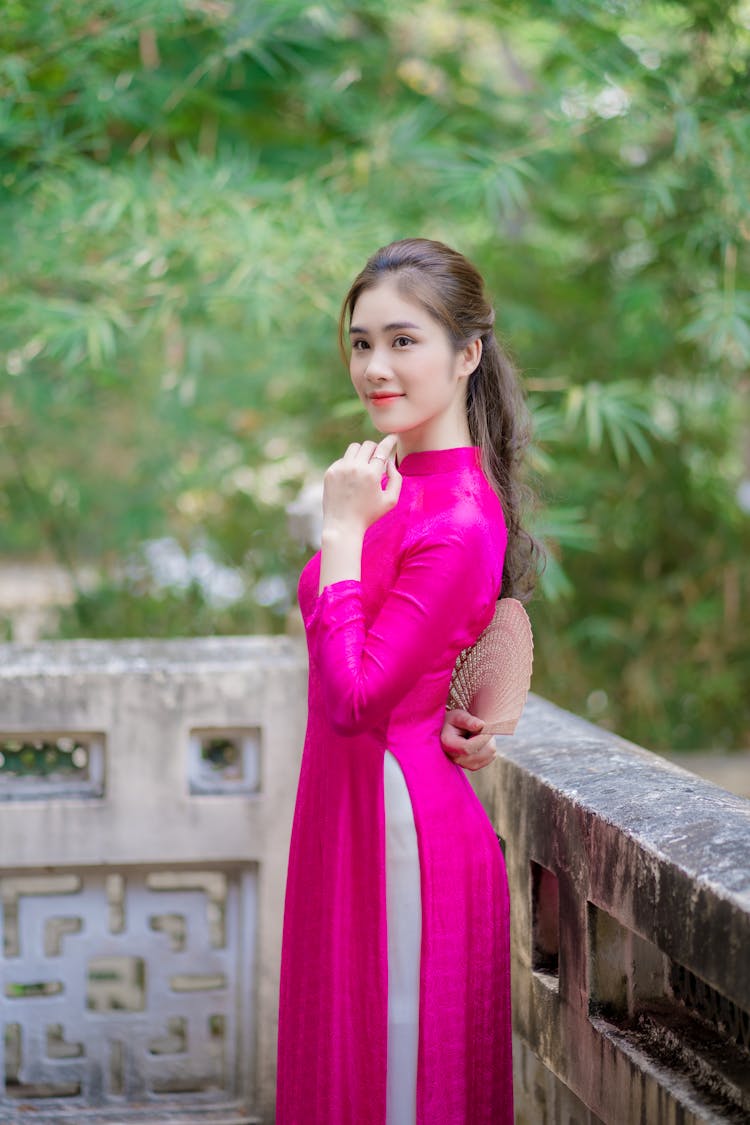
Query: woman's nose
point(378, 365)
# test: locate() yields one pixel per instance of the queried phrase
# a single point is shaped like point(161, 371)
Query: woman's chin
point(384, 427)
point(381, 427)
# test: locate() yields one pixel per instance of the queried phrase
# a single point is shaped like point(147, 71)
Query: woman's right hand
point(464, 741)
point(353, 497)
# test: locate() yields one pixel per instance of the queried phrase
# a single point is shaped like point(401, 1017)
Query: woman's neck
point(433, 438)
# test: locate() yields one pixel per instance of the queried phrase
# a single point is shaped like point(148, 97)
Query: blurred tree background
point(188, 187)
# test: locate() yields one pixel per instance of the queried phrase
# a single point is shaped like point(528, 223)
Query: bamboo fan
point(491, 678)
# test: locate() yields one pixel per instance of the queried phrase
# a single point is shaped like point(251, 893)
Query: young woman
point(395, 1006)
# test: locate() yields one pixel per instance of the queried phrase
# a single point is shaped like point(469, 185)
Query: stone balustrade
point(142, 874)
point(630, 916)
point(142, 888)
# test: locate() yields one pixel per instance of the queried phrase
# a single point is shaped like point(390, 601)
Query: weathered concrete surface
point(662, 854)
point(145, 697)
point(651, 864)
point(729, 770)
point(540, 1097)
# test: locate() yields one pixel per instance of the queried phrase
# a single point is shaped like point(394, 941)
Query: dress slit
point(404, 925)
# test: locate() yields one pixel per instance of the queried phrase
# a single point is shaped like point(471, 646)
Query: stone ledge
point(651, 800)
point(628, 875)
point(60, 658)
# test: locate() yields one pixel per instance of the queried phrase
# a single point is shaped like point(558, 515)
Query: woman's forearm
point(340, 555)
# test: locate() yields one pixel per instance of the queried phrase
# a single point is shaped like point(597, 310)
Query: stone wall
point(630, 893)
point(143, 888)
point(142, 875)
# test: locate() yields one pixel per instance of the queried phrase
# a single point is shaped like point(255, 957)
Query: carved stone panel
point(123, 988)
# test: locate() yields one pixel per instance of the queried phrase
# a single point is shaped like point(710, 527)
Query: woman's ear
point(470, 357)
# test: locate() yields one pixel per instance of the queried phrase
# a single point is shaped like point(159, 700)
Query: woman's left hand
point(464, 741)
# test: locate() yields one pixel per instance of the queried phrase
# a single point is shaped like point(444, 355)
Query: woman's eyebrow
point(393, 326)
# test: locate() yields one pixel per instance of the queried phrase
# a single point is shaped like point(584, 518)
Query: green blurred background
point(188, 187)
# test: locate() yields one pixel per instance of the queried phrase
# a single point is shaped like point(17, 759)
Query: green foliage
point(43, 757)
point(125, 608)
point(188, 187)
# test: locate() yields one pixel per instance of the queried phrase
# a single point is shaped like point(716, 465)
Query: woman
point(395, 1004)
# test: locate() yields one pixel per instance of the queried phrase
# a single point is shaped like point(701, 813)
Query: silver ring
point(377, 457)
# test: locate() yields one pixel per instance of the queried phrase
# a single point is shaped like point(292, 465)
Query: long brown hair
point(451, 290)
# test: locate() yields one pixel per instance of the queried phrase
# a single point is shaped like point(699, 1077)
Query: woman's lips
point(383, 400)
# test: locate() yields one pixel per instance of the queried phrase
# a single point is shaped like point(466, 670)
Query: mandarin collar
point(429, 461)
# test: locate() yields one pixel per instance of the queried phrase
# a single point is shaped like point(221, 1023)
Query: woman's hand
point(353, 497)
point(464, 741)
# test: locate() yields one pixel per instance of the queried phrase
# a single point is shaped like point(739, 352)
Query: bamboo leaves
point(622, 413)
point(187, 188)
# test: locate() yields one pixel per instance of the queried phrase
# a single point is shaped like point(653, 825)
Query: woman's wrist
point(340, 553)
point(336, 533)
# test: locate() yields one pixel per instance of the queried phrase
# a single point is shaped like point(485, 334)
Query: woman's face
point(407, 372)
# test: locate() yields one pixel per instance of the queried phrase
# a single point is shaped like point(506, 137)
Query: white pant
point(404, 914)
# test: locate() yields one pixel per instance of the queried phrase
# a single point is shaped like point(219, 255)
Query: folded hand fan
point(491, 678)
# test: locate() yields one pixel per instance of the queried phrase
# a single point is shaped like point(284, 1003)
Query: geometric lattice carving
point(122, 987)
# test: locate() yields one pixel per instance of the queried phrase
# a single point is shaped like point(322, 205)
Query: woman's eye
point(359, 345)
point(403, 341)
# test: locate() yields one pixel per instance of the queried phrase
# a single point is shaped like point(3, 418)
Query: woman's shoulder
point(465, 510)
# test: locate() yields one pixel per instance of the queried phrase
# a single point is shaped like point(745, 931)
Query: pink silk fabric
point(381, 655)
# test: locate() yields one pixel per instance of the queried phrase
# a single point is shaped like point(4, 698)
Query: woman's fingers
point(359, 451)
point(465, 742)
point(367, 451)
point(381, 454)
point(386, 447)
point(453, 741)
point(464, 721)
point(474, 762)
point(464, 747)
point(392, 490)
point(470, 751)
point(381, 457)
point(462, 732)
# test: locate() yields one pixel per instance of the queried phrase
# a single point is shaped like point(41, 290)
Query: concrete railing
point(142, 892)
point(630, 907)
point(143, 886)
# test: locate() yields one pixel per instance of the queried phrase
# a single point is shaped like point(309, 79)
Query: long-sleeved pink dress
point(381, 655)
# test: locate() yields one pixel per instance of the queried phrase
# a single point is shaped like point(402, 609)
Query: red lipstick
point(383, 399)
